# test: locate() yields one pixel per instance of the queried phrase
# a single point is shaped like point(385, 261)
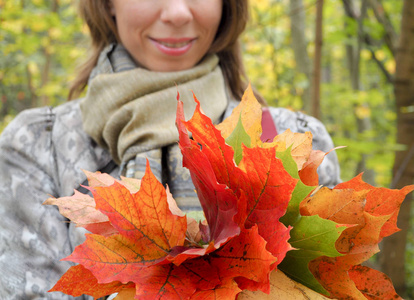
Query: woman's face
point(167, 35)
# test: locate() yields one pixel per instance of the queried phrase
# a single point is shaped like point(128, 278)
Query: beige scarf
point(134, 111)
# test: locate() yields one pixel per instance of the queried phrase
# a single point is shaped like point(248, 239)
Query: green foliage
point(268, 56)
point(271, 67)
point(343, 127)
point(318, 237)
point(39, 40)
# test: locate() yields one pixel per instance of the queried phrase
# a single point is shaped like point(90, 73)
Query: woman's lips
point(172, 46)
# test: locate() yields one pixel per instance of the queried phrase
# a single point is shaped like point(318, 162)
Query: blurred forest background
point(348, 62)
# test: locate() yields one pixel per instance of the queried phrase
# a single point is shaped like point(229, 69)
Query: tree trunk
point(363, 123)
point(354, 58)
point(299, 46)
point(4, 108)
point(48, 59)
point(33, 96)
point(315, 107)
point(392, 258)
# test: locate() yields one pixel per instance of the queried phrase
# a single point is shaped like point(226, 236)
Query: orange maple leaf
point(372, 212)
point(141, 241)
point(78, 281)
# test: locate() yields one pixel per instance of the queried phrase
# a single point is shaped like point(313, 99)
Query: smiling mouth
point(175, 45)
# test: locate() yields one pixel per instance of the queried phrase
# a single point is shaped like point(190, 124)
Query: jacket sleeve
point(329, 170)
point(33, 237)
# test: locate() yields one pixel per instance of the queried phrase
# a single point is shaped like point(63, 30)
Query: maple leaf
point(227, 290)
point(258, 188)
point(78, 281)
point(282, 287)
point(173, 282)
point(139, 242)
point(244, 256)
point(244, 126)
point(300, 145)
point(390, 204)
point(268, 189)
point(299, 193)
point(372, 211)
point(176, 282)
point(250, 112)
point(219, 203)
point(219, 190)
point(312, 237)
point(373, 284)
point(237, 139)
point(260, 176)
point(81, 210)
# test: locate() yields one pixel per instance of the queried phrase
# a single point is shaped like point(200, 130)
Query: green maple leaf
point(312, 236)
point(238, 138)
point(299, 193)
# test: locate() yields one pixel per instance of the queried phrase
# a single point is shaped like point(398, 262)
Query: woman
point(142, 50)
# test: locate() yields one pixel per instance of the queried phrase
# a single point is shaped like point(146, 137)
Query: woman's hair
point(103, 31)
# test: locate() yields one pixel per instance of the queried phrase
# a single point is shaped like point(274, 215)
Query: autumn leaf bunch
point(262, 213)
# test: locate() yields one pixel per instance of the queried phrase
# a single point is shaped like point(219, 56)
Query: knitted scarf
point(131, 111)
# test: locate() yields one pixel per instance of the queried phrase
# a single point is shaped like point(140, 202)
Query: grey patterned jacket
point(42, 153)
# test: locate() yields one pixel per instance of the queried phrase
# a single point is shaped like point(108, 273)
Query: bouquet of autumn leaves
point(263, 213)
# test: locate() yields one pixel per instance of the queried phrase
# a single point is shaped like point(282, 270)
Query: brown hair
point(96, 14)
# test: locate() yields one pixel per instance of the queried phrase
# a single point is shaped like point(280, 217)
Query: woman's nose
point(176, 12)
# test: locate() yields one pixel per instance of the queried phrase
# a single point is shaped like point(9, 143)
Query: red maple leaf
point(219, 203)
point(258, 190)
